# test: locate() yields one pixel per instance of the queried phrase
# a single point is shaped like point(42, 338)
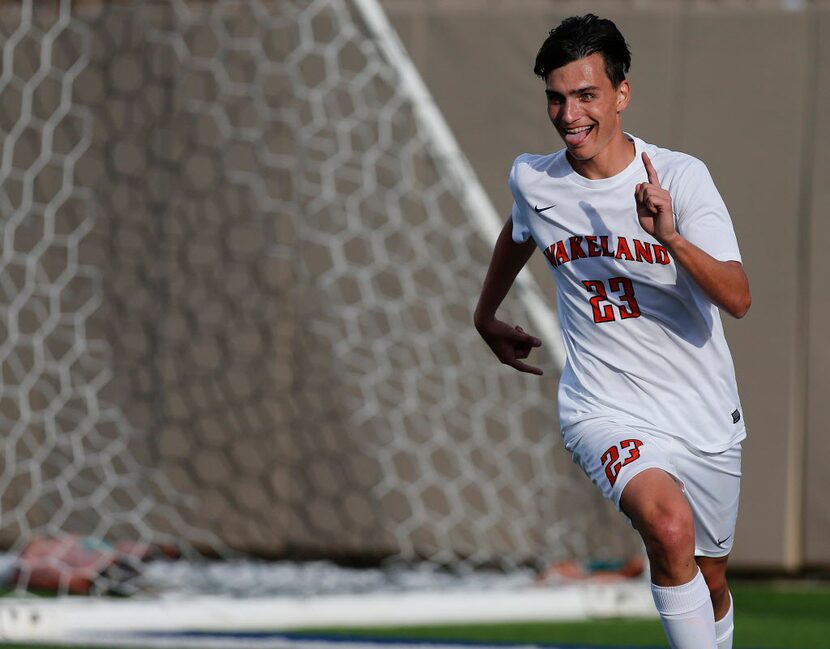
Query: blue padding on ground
point(449, 643)
point(298, 639)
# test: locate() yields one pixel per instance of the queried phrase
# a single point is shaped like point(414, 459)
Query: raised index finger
point(650, 170)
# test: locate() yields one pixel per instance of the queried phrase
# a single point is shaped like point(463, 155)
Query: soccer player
point(644, 255)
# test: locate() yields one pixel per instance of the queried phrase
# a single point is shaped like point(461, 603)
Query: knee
point(670, 532)
point(661, 514)
point(718, 586)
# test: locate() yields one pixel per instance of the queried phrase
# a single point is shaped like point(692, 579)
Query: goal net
point(240, 255)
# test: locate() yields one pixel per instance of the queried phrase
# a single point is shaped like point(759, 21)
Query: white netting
point(236, 297)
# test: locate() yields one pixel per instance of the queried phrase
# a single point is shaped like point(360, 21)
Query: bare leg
point(659, 511)
point(714, 572)
point(661, 514)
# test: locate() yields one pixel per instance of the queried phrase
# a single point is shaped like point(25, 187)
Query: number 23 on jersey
point(604, 308)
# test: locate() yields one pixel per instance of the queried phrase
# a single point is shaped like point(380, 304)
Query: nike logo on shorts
point(720, 542)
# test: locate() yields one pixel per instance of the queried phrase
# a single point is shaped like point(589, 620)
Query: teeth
point(572, 131)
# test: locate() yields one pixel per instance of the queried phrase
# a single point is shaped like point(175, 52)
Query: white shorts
point(611, 454)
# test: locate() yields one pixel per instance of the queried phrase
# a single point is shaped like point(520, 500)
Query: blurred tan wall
point(745, 86)
point(815, 317)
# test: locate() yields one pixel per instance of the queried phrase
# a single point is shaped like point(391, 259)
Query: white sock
point(724, 628)
point(686, 613)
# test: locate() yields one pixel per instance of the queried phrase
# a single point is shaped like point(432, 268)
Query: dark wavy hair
point(580, 36)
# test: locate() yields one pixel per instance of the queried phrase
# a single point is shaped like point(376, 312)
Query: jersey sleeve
point(702, 217)
point(519, 212)
point(521, 231)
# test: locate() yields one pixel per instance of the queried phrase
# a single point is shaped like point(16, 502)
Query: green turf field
point(768, 617)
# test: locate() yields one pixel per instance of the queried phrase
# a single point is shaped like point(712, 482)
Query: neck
point(609, 162)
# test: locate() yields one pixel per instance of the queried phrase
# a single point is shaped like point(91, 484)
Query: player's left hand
point(654, 206)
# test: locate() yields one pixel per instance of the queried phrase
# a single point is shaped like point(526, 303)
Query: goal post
point(454, 163)
point(241, 252)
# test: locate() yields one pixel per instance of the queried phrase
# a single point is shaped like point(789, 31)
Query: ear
point(623, 95)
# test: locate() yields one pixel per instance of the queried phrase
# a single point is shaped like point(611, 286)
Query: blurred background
point(238, 277)
point(744, 87)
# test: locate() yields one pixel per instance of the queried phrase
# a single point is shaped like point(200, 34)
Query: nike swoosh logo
point(720, 543)
point(539, 210)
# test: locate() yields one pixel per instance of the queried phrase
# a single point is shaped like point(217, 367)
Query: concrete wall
point(745, 87)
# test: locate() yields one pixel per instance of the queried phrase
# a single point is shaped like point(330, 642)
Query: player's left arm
point(724, 282)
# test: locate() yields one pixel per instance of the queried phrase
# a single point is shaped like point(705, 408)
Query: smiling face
point(585, 108)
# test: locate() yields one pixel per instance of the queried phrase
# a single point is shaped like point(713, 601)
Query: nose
point(569, 111)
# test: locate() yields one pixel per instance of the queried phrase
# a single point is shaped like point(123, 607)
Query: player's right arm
point(509, 343)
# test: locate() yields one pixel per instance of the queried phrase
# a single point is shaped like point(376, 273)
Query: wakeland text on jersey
point(571, 249)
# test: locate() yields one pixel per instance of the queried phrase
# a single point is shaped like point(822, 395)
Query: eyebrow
point(578, 91)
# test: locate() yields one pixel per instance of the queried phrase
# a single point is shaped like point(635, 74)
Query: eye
point(588, 96)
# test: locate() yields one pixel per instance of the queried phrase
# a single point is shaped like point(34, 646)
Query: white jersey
point(645, 346)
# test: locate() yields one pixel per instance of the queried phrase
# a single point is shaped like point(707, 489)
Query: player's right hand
point(510, 344)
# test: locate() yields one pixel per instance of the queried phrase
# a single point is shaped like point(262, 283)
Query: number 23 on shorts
point(612, 461)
